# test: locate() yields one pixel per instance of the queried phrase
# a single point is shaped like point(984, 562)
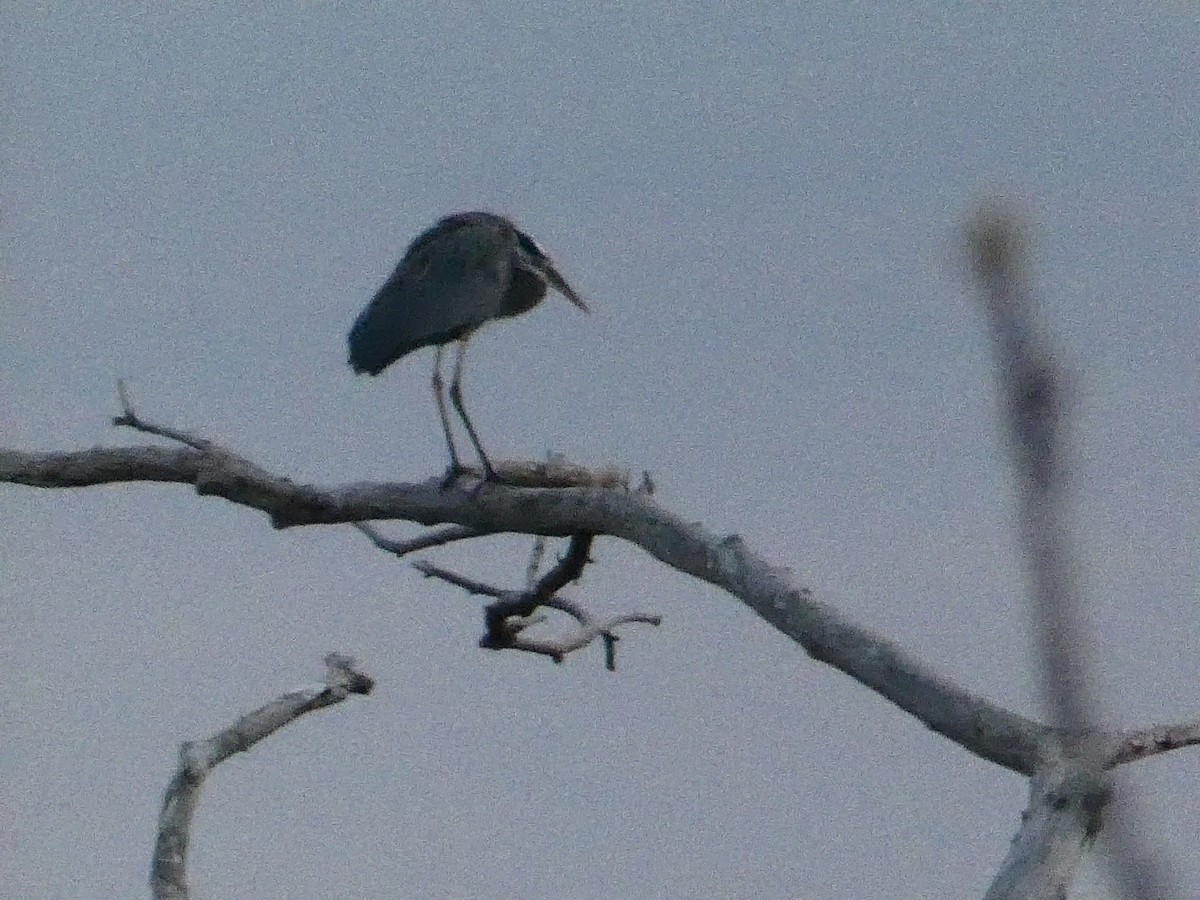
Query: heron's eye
point(529, 245)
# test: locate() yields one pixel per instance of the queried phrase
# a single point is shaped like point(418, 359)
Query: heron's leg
point(439, 393)
point(456, 398)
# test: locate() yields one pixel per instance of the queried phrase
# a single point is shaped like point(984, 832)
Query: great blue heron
point(467, 269)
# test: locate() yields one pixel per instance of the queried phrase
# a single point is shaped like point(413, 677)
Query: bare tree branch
point(1142, 743)
point(1033, 386)
point(1064, 817)
point(509, 619)
point(434, 538)
point(983, 727)
point(168, 872)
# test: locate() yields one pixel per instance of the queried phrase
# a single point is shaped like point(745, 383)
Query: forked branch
point(509, 618)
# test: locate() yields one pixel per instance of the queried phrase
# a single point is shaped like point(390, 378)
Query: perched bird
point(466, 270)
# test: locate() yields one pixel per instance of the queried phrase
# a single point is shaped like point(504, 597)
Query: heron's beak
point(560, 284)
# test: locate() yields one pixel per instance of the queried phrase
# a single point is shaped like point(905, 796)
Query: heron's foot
point(455, 471)
point(490, 476)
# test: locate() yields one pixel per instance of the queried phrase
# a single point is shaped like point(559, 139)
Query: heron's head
point(532, 257)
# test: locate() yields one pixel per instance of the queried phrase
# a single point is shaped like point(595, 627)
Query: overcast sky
point(761, 205)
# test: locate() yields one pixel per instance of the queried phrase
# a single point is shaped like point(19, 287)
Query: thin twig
point(130, 419)
point(536, 554)
point(435, 537)
point(429, 570)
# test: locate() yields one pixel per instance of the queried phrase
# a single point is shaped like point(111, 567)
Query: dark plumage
point(466, 270)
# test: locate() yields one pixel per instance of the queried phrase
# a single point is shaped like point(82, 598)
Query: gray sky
point(761, 207)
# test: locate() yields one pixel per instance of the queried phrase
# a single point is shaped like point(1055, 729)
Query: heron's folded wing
point(414, 309)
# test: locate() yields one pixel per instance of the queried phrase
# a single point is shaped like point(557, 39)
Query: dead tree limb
point(168, 871)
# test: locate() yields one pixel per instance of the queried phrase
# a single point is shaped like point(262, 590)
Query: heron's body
point(466, 270)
